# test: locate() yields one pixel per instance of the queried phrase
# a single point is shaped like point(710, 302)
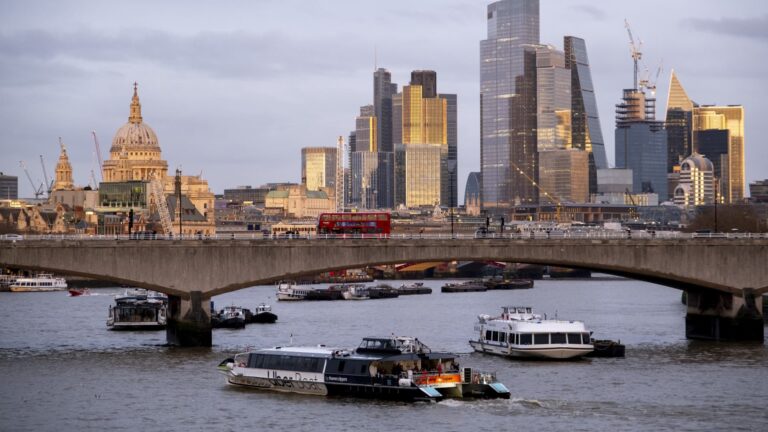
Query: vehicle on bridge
point(354, 223)
point(519, 333)
point(398, 368)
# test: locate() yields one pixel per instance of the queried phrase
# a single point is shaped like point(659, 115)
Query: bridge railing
point(533, 235)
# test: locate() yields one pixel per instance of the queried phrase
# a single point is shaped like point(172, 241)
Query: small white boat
point(43, 282)
point(519, 333)
point(291, 291)
point(356, 292)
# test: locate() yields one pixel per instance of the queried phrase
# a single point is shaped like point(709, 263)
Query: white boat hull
point(14, 288)
point(552, 351)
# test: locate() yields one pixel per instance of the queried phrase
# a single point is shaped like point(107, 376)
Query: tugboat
point(230, 317)
point(519, 333)
point(262, 315)
point(138, 310)
point(398, 368)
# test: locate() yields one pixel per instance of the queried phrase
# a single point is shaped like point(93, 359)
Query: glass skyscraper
point(587, 134)
point(707, 120)
point(508, 153)
point(318, 167)
point(679, 126)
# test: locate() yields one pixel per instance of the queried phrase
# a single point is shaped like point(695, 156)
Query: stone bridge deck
point(195, 270)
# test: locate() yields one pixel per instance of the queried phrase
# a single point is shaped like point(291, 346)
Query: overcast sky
point(235, 88)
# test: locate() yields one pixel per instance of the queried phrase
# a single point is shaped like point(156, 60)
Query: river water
point(61, 370)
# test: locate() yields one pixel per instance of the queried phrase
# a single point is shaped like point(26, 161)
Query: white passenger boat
point(519, 333)
point(43, 282)
point(291, 291)
point(399, 368)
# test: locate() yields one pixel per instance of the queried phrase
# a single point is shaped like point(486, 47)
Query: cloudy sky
point(235, 88)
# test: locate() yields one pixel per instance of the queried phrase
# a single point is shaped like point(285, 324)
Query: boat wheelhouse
point(43, 282)
point(519, 333)
point(138, 309)
point(262, 315)
point(399, 368)
point(291, 291)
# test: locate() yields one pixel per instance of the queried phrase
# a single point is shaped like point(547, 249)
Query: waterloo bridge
point(724, 277)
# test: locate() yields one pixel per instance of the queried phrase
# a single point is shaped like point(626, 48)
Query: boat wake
point(496, 403)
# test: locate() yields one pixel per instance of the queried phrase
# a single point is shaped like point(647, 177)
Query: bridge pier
point(720, 316)
point(189, 321)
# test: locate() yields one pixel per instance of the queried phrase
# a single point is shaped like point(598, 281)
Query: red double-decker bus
point(354, 223)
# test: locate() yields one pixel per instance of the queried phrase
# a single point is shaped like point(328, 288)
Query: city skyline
point(214, 88)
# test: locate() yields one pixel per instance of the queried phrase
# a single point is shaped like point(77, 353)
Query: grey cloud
point(235, 54)
point(592, 11)
point(753, 28)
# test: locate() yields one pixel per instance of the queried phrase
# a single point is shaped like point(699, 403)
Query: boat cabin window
point(348, 367)
point(541, 338)
point(526, 339)
point(488, 334)
point(586, 338)
point(574, 338)
point(379, 344)
point(558, 338)
point(286, 362)
point(511, 338)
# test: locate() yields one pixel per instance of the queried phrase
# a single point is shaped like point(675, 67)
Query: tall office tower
point(719, 135)
point(9, 187)
point(508, 154)
point(383, 90)
point(427, 79)
point(587, 134)
point(399, 150)
point(366, 130)
point(318, 167)
point(678, 124)
point(450, 187)
point(563, 170)
point(365, 178)
point(424, 147)
point(641, 143)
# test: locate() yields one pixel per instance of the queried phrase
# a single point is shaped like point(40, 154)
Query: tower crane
point(37, 190)
point(98, 154)
point(558, 202)
point(636, 49)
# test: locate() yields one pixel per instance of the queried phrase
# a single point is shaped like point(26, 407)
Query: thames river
point(62, 370)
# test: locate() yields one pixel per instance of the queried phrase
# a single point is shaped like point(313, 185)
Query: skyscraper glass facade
point(678, 124)
point(730, 118)
point(450, 188)
point(587, 134)
point(318, 167)
point(508, 154)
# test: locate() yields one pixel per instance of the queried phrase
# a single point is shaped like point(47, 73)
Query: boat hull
point(231, 323)
point(35, 289)
point(264, 318)
point(135, 326)
point(554, 352)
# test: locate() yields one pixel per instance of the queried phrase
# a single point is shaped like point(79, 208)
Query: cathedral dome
point(135, 135)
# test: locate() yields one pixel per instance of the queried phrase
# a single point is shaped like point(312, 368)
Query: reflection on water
point(62, 370)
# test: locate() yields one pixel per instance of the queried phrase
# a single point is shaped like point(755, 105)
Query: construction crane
point(48, 184)
point(98, 155)
point(37, 190)
point(651, 84)
point(555, 199)
point(636, 49)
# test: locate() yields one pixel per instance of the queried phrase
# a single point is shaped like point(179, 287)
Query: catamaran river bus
point(398, 368)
